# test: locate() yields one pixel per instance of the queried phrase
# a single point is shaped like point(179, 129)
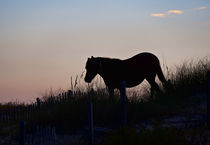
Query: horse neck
point(101, 62)
point(106, 63)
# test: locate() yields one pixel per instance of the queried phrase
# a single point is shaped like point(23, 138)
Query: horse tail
point(161, 75)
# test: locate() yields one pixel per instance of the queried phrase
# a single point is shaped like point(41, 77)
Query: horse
point(132, 70)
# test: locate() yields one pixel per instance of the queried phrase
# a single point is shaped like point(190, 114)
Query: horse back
point(133, 70)
point(144, 61)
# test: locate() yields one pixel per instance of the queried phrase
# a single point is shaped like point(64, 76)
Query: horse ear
point(90, 58)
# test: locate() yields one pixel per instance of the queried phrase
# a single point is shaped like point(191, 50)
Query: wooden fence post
point(38, 103)
point(208, 100)
point(21, 132)
point(70, 93)
point(90, 118)
point(123, 100)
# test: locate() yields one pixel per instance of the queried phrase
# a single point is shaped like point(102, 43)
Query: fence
point(13, 113)
point(46, 135)
point(208, 100)
point(17, 113)
point(36, 135)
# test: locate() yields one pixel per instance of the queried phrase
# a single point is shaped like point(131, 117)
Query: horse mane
point(107, 59)
point(107, 65)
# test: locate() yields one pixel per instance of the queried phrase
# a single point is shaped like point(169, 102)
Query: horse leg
point(153, 84)
point(111, 93)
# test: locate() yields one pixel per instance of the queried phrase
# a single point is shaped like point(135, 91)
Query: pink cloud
point(175, 12)
point(201, 8)
point(160, 15)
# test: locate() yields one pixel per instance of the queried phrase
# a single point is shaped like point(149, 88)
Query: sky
point(44, 43)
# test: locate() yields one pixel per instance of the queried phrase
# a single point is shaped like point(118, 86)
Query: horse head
point(92, 68)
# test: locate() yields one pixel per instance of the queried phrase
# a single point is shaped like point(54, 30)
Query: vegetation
point(157, 136)
point(187, 79)
point(190, 77)
point(70, 113)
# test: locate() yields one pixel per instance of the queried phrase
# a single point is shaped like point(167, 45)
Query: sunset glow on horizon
point(44, 43)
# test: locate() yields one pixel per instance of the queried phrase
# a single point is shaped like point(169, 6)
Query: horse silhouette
point(132, 70)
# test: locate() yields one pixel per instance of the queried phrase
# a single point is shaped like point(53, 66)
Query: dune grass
point(191, 76)
point(187, 79)
point(157, 136)
point(70, 114)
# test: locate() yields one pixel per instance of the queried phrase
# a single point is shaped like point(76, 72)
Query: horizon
point(44, 43)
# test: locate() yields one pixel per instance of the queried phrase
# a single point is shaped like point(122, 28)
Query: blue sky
point(44, 42)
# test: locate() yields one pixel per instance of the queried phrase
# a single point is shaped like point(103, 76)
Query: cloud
point(160, 15)
point(175, 12)
point(170, 12)
point(179, 12)
point(201, 8)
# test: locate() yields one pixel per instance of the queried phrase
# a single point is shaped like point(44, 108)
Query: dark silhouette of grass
point(191, 76)
point(187, 79)
point(157, 136)
point(71, 113)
